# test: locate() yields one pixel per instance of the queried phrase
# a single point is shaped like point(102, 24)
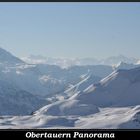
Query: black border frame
point(126, 134)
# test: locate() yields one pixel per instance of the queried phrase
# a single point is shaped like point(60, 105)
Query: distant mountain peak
point(7, 58)
point(124, 65)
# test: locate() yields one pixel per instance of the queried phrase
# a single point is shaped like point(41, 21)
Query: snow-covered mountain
point(121, 88)
point(89, 96)
point(67, 62)
point(117, 93)
point(23, 85)
point(125, 66)
point(43, 79)
point(29, 78)
point(62, 62)
point(15, 101)
point(72, 90)
point(117, 59)
point(138, 62)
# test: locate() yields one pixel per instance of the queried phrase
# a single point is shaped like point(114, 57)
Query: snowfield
point(106, 118)
point(80, 96)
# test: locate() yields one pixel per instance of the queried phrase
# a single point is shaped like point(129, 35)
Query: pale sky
point(70, 29)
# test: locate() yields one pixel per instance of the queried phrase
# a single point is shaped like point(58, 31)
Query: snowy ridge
point(123, 65)
point(121, 88)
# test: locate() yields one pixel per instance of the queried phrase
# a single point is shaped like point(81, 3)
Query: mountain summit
point(8, 58)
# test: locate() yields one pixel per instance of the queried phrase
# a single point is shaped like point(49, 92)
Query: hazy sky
point(70, 29)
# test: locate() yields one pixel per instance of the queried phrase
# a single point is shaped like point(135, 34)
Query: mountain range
point(46, 95)
point(67, 62)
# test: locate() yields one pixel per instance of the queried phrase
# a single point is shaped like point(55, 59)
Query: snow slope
point(73, 89)
point(107, 118)
point(121, 88)
point(112, 118)
point(68, 107)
